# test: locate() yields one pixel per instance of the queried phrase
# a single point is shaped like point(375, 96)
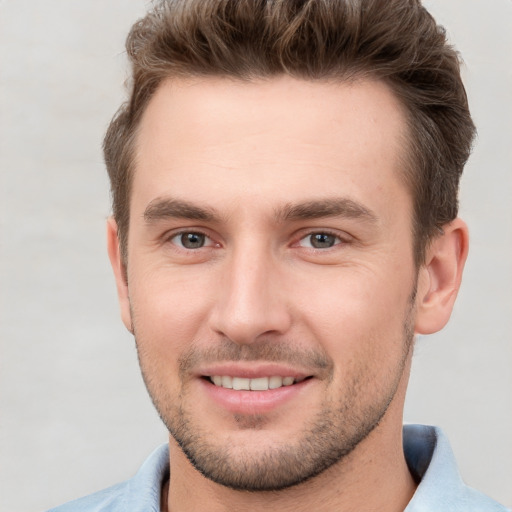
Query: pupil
point(192, 240)
point(322, 240)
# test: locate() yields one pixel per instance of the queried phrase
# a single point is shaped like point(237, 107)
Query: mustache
point(263, 351)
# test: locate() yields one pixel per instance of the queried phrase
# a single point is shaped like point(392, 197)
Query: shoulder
point(111, 500)
point(138, 494)
point(441, 488)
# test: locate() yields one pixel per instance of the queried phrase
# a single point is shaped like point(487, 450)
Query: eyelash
point(338, 240)
point(196, 232)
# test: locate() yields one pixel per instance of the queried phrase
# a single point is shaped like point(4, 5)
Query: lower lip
point(253, 402)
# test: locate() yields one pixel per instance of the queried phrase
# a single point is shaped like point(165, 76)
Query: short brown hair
point(396, 41)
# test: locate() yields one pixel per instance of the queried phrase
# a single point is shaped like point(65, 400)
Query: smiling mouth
point(257, 384)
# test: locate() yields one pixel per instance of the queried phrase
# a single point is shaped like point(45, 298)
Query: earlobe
point(119, 268)
point(440, 277)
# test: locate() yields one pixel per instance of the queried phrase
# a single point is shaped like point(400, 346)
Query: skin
point(257, 169)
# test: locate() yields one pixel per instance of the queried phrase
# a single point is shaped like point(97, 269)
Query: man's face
point(270, 248)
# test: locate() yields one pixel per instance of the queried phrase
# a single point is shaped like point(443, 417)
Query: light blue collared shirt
point(427, 451)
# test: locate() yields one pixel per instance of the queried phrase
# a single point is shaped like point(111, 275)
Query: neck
point(374, 476)
point(384, 487)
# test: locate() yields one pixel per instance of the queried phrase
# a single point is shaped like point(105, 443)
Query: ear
point(119, 268)
point(440, 277)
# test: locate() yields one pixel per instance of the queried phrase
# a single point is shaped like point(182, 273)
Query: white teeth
point(239, 383)
point(226, 382)
point(260, 384)
point(257, 384)
point(275, 382)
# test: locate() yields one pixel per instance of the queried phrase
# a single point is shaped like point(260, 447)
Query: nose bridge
point(249, 302)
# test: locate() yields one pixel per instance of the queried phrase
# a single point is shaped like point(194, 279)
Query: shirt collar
point(426, 449)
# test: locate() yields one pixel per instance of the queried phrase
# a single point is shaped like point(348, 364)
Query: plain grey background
point(74, 415)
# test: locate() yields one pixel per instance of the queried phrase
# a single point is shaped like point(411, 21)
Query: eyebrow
point(330, 207)
point(163, 208)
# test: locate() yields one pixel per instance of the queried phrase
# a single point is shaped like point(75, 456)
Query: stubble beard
point(335, 431)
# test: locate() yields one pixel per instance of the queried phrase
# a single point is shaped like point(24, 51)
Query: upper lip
point(252, 370)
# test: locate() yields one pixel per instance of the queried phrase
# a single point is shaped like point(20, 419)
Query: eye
point(191, 240)
point(320, 240)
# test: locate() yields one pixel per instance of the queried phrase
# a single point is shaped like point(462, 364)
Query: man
point(284, 180)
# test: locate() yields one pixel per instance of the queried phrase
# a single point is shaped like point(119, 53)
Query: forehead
point(265, 137)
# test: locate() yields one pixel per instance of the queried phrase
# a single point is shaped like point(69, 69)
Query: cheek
point(169, 309)
point(359, 312)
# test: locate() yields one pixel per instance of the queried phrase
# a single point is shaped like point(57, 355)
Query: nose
point(252, 302)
